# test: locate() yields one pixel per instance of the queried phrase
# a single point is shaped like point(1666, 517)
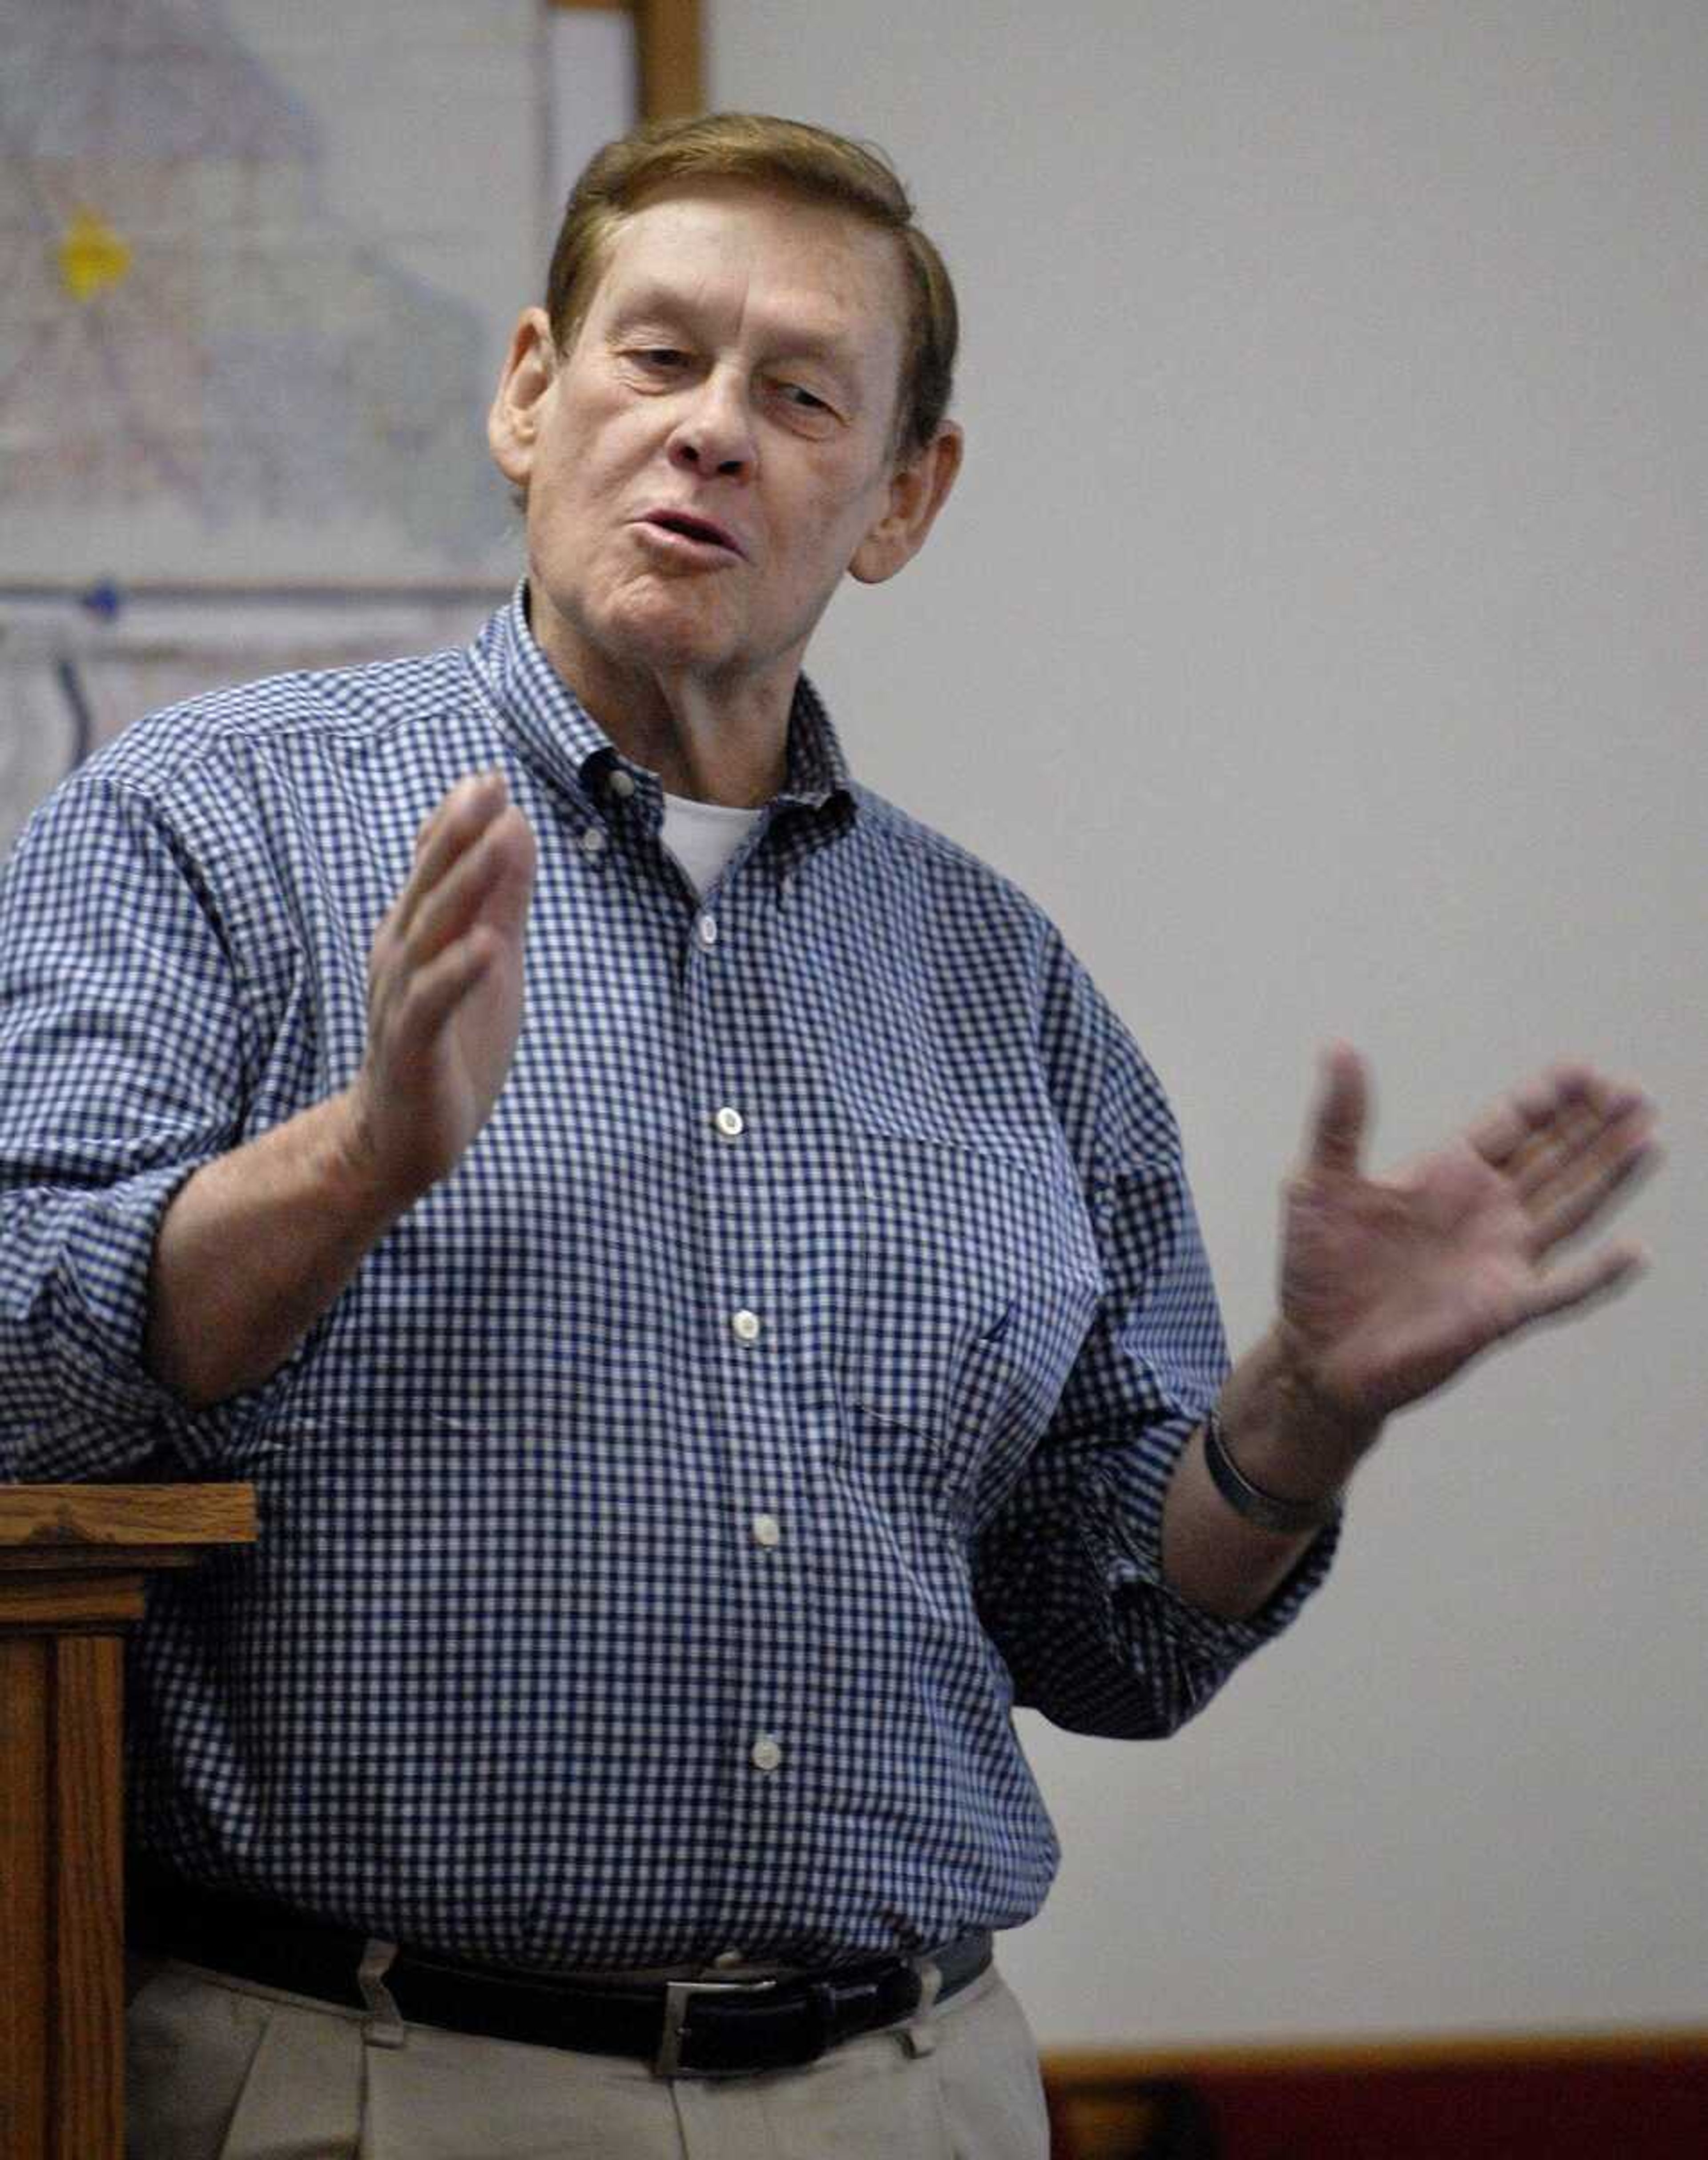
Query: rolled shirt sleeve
point(1069, 1568)
point(122, 1056)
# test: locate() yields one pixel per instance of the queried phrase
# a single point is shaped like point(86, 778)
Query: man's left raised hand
point(1390, 1286)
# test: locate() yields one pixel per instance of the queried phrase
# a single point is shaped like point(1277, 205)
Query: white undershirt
point(702, 836)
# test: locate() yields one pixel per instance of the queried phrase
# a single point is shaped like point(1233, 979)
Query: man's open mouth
point(700, 529)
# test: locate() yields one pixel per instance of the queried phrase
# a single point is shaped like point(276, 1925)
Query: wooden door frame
point(667, 49)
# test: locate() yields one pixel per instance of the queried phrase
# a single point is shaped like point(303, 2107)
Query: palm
point(445, 978)
point(1390, 1286)
point(473, 1055)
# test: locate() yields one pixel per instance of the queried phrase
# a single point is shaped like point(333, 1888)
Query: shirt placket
point(750, 1311)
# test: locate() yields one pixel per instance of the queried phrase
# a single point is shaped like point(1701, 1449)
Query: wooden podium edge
point(76, 1522)
point(74, 1565)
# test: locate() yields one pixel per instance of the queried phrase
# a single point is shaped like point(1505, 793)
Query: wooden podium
point(74, 1565)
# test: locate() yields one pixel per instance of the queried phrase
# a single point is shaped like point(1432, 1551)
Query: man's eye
point(796, 395)
point(664, 357)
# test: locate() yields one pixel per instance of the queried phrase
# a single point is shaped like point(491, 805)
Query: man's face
point(713, 452)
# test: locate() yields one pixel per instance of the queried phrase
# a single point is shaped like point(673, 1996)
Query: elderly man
point(704, 1288)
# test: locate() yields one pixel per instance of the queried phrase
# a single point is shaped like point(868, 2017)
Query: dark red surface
point(1613, 2112)
point(1654, 2110)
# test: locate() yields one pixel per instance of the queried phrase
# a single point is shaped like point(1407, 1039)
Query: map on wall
point(260, 266)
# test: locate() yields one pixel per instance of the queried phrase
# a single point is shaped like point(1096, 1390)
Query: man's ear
point(917, 491)
point(530, 368)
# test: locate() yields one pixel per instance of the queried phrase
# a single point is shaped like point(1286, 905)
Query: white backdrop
point(1318, 633)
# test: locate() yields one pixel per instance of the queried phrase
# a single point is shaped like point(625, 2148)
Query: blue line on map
point(83, 719)
point(107, 600)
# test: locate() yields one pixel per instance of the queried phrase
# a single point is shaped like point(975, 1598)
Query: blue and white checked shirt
point(657, 1532)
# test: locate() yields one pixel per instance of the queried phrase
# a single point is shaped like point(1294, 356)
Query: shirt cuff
point(1128, 1533)
point(98, 1410)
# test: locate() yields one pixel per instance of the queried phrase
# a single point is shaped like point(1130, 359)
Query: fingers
point(454, 827)
point(1522, 1131)
point(1567, 1141)
point(460, 813)
point(1586, 1180)
point(1598, 1274)
point(1511, 1124)
point(435, 991)
point(1605, 1122)
point(1336, 1139)
point(444, 993)
point(472, 840)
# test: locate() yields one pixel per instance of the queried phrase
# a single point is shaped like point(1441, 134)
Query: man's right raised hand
point(255, 1245)
point(444, 991)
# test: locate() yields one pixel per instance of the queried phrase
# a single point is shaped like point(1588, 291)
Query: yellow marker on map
point(92, 257)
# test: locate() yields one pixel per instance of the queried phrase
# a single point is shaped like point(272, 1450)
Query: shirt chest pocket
point(976, 1277)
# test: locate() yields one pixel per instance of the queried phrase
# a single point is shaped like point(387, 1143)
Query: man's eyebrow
point(668, 305)
point(651, 300)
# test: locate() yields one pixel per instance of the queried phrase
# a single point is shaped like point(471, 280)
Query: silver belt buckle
point(677, 1994)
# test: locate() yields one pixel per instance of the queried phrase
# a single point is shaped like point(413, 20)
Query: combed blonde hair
point(779, 154)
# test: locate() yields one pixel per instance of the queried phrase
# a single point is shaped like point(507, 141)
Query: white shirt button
point(767, 1530)
point(593, 840)
point(708, 929)
point(746, 1326)
point(622, 784)
point(767, 1752)
point(731, 1123)
point(725, 1959)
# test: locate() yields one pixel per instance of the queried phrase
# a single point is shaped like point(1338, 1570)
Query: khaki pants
point(221, 2069)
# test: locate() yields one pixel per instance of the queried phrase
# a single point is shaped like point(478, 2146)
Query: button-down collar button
point(767, 1530)
point(706, 929)
point(593, 840)
point(620, 783)
point(767, 1752)
point(746, 1326)
point(725, 1959)
point(731, 1123)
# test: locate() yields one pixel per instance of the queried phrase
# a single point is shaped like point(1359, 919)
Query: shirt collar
point(547, 718)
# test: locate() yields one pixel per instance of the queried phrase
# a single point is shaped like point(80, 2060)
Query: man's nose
point(715, 434)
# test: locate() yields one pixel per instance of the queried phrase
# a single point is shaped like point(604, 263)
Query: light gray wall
point(1318, 633)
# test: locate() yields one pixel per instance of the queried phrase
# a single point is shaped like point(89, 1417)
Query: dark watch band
point(1290, 1519)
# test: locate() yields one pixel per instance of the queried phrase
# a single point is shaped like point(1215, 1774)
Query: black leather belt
point(691, 2027)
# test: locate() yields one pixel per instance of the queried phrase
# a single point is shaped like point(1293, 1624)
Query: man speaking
point(705, 1289)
